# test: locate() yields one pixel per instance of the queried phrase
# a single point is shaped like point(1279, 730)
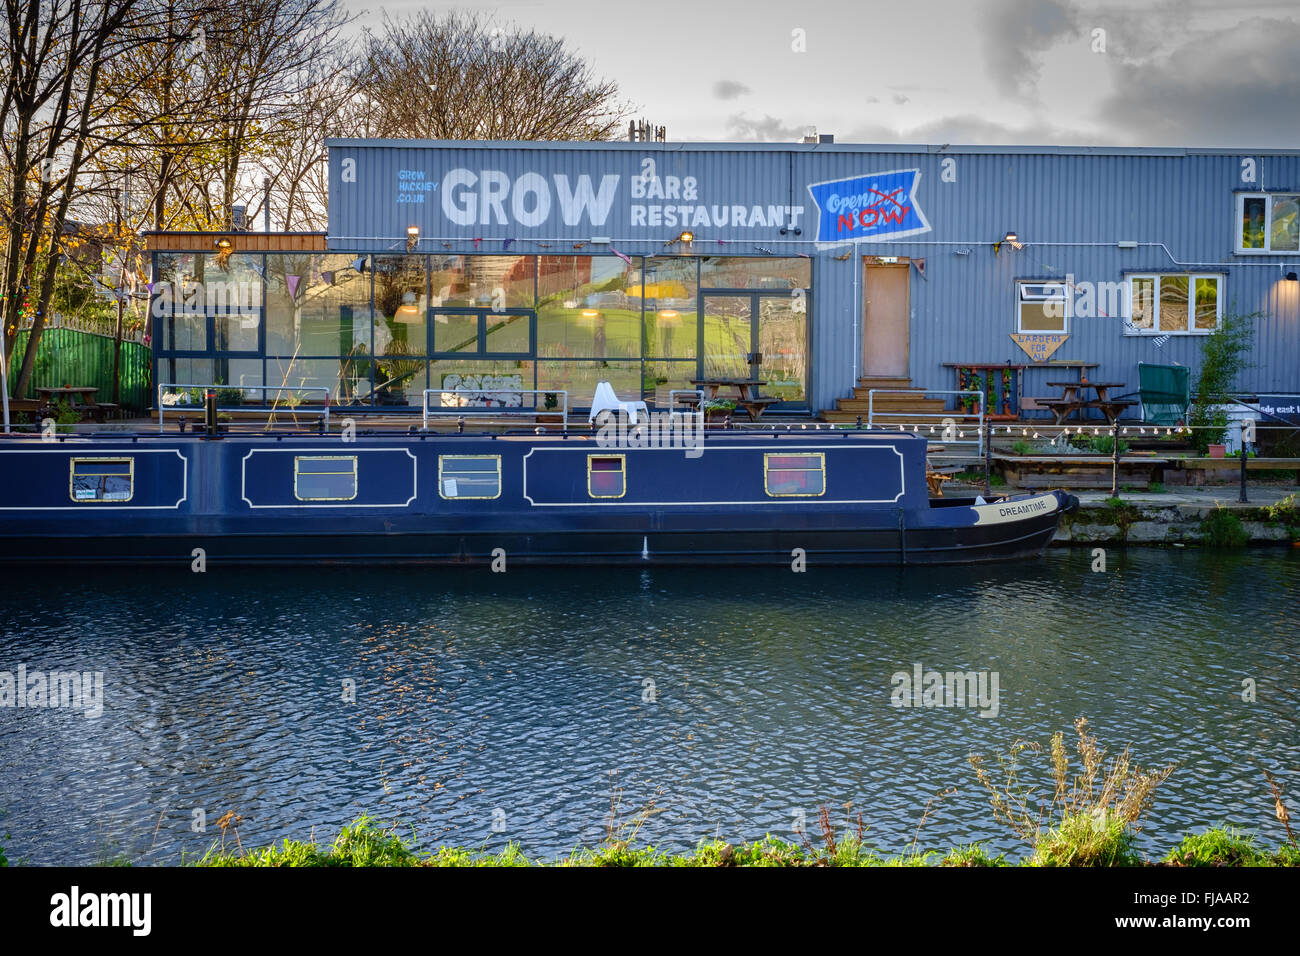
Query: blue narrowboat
point(830, 497)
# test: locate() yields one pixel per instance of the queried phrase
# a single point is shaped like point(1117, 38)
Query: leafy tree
point(1223, 358)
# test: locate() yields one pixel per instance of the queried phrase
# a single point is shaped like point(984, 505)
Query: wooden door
point(885, 320)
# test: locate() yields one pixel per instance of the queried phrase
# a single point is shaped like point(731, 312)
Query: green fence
point(70, 357)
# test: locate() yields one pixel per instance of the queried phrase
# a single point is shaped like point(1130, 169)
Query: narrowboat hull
point(250, 501)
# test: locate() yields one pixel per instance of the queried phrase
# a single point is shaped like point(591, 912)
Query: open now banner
point(868, 208)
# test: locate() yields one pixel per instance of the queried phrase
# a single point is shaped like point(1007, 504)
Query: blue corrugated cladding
point(1069, 206)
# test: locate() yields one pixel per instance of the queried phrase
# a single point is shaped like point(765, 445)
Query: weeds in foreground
point(1091, 819)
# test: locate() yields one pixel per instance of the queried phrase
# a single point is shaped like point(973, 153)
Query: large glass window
point(588, 307)
point(401, 329)
point(487, 282)
point(1268, 222)
point(764, 272)
point(1175, 304)
point(671, 299)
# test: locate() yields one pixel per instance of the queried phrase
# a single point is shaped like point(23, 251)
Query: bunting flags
point(292, 282)
point(627, 259)
point(920, 268)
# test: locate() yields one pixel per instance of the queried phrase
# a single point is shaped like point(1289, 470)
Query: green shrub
point(1218, 847)
point(972, 855)
point(1223, 529)
point(1099, 837)
point(1223, 358)
point(1022, 447)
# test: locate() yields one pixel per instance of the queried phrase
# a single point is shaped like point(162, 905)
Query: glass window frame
point(768, 469)
point(1192, 279)
point(1024, 297)
point(482, 351)
point(72, 477)
point(1239, 209)
point(441, 492)
point(297, 474)
point(622, 471)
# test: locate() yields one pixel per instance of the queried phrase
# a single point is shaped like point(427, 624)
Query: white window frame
point(1042, 295)
point(1240, 208)
point(1131, 329)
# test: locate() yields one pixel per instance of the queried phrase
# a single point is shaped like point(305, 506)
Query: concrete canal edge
point(1209, 517)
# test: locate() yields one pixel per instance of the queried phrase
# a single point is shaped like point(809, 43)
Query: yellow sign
point(1039, 346)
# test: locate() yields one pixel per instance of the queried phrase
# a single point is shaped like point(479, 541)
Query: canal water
point(476, 709)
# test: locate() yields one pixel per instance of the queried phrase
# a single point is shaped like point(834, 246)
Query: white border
point(105, 506)
point(786, 502)
point(333, 450)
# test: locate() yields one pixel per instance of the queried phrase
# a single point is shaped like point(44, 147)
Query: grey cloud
point(900, 99)
point(729, 89)
point(1223, 88)
point(767, 129)
point(972, 131)
point(1016, 36)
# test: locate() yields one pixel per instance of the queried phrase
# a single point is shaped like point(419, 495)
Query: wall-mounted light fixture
point(224, 244)
point(1013, 240)
point(685, 238)
point(412, 237)
point(1292, 277)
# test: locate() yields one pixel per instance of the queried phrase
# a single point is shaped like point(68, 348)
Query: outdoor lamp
point(224, 244)
point(1012, 239)
point(1292, 277)
point(686, 238)
point(407, 313)
point(412, 237)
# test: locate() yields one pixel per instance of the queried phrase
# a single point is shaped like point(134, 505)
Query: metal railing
point(952, 433)
point(501, 411)
point(186, 388)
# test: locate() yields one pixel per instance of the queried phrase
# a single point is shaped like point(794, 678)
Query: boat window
point(605, 476)
point(325, 478)
point(102, 479)
point(800, 476)
point(469, 476)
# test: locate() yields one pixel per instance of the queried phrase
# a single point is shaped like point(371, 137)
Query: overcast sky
point(1117, 72)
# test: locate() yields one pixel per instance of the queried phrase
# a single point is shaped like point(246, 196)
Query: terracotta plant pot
point(1218, 451)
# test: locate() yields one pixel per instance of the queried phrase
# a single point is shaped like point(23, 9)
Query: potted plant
point(551, 402)
point(719, 409)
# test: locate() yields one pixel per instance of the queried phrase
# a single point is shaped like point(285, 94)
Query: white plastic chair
point(606, 400)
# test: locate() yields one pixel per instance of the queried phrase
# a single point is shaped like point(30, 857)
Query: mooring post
point(988, 458)
point(1242, 497)
point(1114, 460)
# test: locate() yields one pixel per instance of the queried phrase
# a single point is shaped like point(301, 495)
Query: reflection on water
point(732, 699)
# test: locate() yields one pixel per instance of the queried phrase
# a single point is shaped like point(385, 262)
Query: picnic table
point(1074, 399)
point(80, 397)
point(746, 396)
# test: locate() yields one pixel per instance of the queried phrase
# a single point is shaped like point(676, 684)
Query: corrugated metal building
point(649, 264)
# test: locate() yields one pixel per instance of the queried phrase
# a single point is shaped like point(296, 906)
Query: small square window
point(469, 476)
point(606, 476)
point(795, 476)
point(325, 479)
point(1042, 307)
point(101, 479)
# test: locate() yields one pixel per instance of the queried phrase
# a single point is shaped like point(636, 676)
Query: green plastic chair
point(1165, 392)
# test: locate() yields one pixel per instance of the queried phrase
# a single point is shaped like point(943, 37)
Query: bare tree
point(55, 54)
point(461, 76)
